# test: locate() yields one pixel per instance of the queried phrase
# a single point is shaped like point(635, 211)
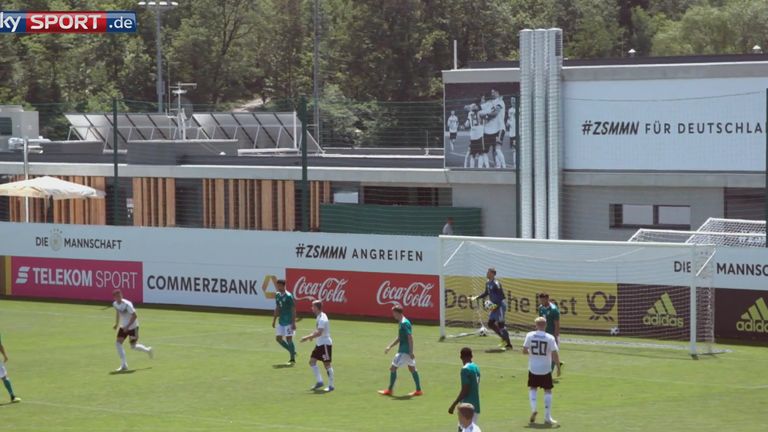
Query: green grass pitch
point(215, 372)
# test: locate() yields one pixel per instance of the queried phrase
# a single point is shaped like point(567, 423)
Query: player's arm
point(117, 320)
point(394, 342)
point(479, 297)
point(462, 394)
point(293, 316)
point(2, 351)
point(274, 315)
point(526, 345)
point(318, 331)
point(557, 330)
point(556, 360)
point(410, 346)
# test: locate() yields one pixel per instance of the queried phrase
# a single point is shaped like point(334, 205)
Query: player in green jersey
point(470, 384)
point(285, 315)
point(549, 310)
point(404, 356)
point(4, 375)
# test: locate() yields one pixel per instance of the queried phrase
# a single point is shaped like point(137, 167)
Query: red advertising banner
point(75, 279)
point(365, 293)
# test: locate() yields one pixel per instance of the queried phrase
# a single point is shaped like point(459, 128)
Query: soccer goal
point(659, 292)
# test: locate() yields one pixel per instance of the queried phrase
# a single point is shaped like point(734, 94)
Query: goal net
point(655, 291)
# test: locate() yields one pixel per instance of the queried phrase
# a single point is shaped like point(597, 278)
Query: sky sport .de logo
point(18, 22)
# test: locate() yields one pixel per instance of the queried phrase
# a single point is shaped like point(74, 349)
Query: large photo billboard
point(481, 127)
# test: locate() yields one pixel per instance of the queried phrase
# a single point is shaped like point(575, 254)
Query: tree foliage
point(371, 50)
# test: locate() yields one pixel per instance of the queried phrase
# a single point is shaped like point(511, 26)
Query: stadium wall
point(355, 274)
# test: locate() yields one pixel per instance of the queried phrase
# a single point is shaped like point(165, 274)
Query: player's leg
point(318, 378)
point(416, 379)
point(280, 333)
point(121, 335)
point(548, 407)
point(329, 371)
point(532, 399)
point(135, 345)
point(291, 347)
point(501, 161)
point(502, 326)
point(392, 375)
point(466, 160)
point(7, 384)
point(533, 385)
point(504, 334)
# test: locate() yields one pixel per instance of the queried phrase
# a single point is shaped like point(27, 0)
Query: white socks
point(548, 406)
point(532, 398)
point(330, 376)
point(140, 347)
point(318, 377)
point(121, 353)
point(500, 162)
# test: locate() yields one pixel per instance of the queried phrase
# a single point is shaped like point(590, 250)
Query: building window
point(650, 216)
point(6, 126)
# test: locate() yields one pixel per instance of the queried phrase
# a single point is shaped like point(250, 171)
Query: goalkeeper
point(498, 307)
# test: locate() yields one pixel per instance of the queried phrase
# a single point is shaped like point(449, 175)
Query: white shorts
point(403, 359)
point(3, 373)
point(284, 330)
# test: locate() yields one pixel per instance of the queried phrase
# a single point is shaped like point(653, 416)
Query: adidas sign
point(663, 314)
point(755, 319)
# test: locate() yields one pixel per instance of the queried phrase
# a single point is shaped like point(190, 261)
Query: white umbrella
point(49, 187)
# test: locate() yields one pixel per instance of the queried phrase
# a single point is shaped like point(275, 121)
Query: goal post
point(658, 291)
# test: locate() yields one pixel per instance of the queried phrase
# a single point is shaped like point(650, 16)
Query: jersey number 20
point(539, 348)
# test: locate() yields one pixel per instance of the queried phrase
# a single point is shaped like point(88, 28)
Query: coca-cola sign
point(365, 293)
point(330, 290)
point(417, 294)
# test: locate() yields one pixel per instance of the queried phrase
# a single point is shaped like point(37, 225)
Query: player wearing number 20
point(541, 349)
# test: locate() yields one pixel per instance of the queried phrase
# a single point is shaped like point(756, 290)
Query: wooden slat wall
point(259, 204)
point(80, 211)
point(154, 201)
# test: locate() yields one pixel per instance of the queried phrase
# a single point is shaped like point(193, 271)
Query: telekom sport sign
point(76, 279)
point(365, 293)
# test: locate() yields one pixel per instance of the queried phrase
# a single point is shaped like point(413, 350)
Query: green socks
point(8, 387)
point(291, 348)
point(392, 378)
point(416, 379)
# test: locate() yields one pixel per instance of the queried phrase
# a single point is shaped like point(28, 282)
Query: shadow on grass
point(283, 365)
point(541, 426)
point(401, 398)
point(129, 371)
point(497, 351)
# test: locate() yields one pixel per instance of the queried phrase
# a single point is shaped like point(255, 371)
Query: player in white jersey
point(466, 413)
point(128, 322)
point(453, 128)
point(476, 156)
point(493, 111)
point(541, 349)
point(323, 347)
point(512, 129)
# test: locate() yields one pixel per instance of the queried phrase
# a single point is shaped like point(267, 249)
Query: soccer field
point(217, 371)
